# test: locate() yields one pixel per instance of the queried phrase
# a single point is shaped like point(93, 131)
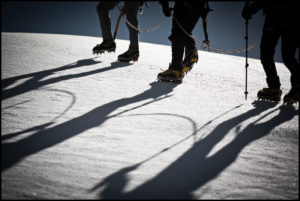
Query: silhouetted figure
point(281, 20)
point(131, 9)
point(187, 13)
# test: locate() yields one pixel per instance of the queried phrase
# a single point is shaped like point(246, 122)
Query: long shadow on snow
point(194, 168)
point(41, 126)
point(12, 153)
point(36, 82)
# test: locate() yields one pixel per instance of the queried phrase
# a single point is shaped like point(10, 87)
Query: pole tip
point(246, 93)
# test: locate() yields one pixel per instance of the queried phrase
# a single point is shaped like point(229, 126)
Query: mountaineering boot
point(190, 59)
point(269, 94)
point(132, 54)
point(109, 46)
point(171, 75)
point(292, 97)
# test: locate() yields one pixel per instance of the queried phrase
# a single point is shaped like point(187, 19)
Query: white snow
point(79, 126)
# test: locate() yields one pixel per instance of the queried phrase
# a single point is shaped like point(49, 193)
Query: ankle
point(133, 48)
point(108, 42)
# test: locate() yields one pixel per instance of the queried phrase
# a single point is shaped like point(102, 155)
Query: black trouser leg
point(131, 9)
point(269, 40)
point(188, 19)
point(103, 9)
point(189, 42)
point(176, 39)
point(288, 51)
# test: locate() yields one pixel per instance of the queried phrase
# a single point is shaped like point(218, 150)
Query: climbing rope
point(233, 51)
point(207, 46)
point(204, 45)
point(142, 30)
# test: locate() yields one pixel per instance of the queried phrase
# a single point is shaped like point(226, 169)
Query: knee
point(265, 59)
point(266, 55)
point(131, 15)
point(288, 59)
point(176, 34)
point(102, 8)
point(174, 37)
point(99, 7)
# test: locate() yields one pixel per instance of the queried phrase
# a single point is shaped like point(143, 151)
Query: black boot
point(190, 59)
point(293, 96)
point(109, 46)
point(171, 75)
point(270, 94)
point(132, 54)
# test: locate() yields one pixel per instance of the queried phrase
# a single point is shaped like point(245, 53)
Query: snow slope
point(78, 126)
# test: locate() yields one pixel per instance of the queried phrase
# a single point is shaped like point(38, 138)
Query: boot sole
point(289, 101)
point(269, 98)
point(134, 59)
point(162, 79)
point(102, 51)
point(170, 81)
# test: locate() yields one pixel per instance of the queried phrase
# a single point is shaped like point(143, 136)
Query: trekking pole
point(204, 23)
point(118, 22)
point(246, 38)
point(206, 41)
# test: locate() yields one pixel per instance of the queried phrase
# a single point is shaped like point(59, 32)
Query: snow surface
point(79, 126)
